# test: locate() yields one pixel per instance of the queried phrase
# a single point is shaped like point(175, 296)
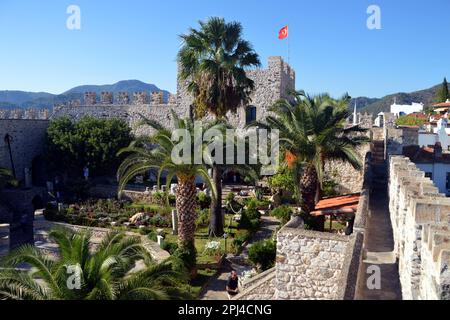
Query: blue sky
point(332, 50)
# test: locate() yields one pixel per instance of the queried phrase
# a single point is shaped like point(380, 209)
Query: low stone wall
point(260, 287)
point(420, 220)
point(309, 264)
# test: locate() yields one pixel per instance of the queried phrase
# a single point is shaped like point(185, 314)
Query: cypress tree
point(442, 95)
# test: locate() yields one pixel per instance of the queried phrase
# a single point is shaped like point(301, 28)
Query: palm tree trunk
point(216, 219)
point(186, 205)
point(309, 190)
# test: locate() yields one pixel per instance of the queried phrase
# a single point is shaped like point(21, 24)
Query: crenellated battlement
point(123, 98)
point(25, 114)
point(420, 218)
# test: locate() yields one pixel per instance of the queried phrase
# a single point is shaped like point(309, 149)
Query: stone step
point(372, 257)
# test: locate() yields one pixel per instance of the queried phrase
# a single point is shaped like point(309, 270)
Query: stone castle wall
point(347, 178)
point(271, 84)
point(420, 220)
point(397, 138)
point(28, 138)
point(25, 114)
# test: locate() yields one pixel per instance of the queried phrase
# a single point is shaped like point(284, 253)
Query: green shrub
point(187, 254)
point(248, 223)
point(230, 197)
point(159, 221)
point(263, 253)
point(161, 198)
point(240, 238)
point(203, 200)
point(202, 218)
point(283, 213)
point(170, 247)
point(252, 209)
point(152, 235)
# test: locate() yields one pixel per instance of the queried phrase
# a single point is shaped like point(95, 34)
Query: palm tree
point(155, 152)
point(80, 272)
point(6, 177)
point(214, 59)
point(312, 132)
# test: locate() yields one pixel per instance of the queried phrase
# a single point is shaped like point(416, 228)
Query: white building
point(434, 162)
point(439, 134)
point(404, 109)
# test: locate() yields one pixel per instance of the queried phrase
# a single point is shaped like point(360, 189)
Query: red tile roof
point(337, 205)
point(442, 104)
point(424, 154)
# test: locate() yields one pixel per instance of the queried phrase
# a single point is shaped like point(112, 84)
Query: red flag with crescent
point(283, 33)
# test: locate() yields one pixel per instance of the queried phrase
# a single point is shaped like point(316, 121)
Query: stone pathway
point(215, 290)
point(379, 244)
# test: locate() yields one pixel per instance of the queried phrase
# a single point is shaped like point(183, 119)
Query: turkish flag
point(283, 33)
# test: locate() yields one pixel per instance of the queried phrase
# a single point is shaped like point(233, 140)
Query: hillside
point(374, 106)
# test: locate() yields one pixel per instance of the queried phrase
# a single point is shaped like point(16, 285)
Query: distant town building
point(405, 109)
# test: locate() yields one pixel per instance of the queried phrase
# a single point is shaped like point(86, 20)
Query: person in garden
point(232, 286)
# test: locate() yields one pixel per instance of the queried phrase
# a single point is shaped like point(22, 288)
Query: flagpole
point(289, 48)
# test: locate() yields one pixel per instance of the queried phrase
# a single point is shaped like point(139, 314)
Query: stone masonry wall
point(28, 138)
point(397, 138)
point(271, 84)
point(260, 287)
point(309, 264)
point(348, 179)
point(420, 218)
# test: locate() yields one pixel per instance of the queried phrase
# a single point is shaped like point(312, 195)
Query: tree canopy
point(90, 142)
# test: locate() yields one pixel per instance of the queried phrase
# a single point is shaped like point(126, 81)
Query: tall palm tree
point(155, 152)
point(214, 59)
point(80, 272)
point(312, 132)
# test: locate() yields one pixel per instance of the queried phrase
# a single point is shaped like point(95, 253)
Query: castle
point(27, 127)
point(397, 203)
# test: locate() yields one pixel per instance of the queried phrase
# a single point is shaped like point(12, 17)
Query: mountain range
point(16, 99)
point(11, 99)
point(377, 105)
